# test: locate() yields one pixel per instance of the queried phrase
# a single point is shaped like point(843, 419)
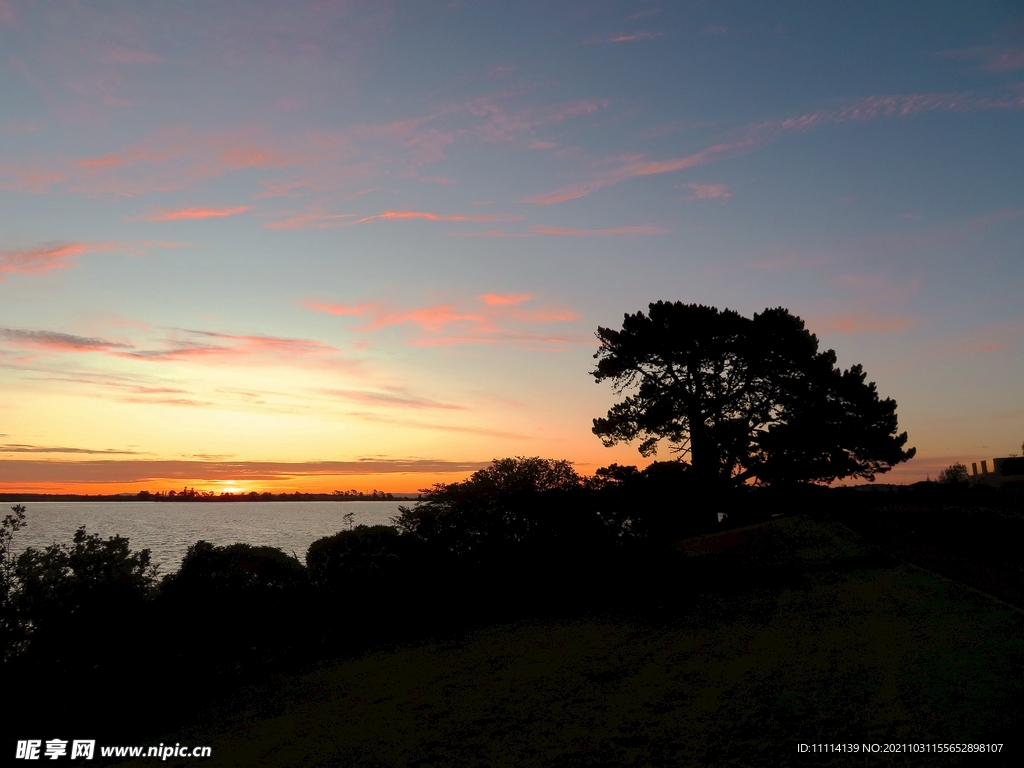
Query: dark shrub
point(82, 616)
point(366, 557)
point(235, 567)
point(75, 602)
point(516, 508)
point(230, 610)
point(659, 505)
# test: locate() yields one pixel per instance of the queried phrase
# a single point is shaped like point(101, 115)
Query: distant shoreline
point(226, 499)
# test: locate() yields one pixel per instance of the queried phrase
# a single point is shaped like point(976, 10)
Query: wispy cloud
point(426, 216)
point(47, 256)
point(306, 162)
point(311, 218)
point(759, 134)
point(184, 214)
point(325, 220)
point(705, 191)
point(186, 346)
point(392, 397)
point(64, 342)
point(166, 161)
point(40, 258)
point(488, 319)
point(714, 29)
point(491, 233)
point(20, 448)
point(991, 337)
point(993, 58)
point(140, 471)
point(645, 167)
point(504, 299)
point(627, 37)
point(643, 229)
point(381, 418)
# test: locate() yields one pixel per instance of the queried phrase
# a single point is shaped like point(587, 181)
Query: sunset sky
point(330, 245)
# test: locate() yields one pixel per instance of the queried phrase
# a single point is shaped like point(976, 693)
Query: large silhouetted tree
point(743, 398)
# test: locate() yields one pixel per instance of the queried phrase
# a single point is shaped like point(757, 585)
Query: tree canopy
point(743, 398)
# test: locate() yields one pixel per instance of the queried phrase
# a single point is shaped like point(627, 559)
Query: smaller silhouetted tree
point(514, 504)
point(954, 473)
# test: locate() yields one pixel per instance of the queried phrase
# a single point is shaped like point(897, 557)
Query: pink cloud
point(142, 470)
point(359, 193)
point(666, 129)
point(714, 29)
point(426, 216)
point(177, 345)
point(500, 125)
point(392, 397)
point(1005, 61)
point(195, 213)
point(322, 220)
point(645, 167)
point(706, 191)
point(310, 219)
point(310, 161)
point(490, 233)
point(61, 342)
point(995, 59)
point(39, 259)
point(542, 145)
point(644, 229)
point(759, 134)
point(209, 344)
point(629, 37)
point(43, 258)
point(330, 308)
point(991, 337)
point(169, 160)
point(490, 319)
point(504, 299)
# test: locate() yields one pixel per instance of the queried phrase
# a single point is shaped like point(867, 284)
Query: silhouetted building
point(997, 472)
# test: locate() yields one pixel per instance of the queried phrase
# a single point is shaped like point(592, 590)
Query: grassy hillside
point(776, 634)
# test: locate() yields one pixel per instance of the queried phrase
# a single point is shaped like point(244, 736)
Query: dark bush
point(516, 508)
point(233, 568)
point(231, 610)
point(658, 505)
point(364, 558)
point(91, 590)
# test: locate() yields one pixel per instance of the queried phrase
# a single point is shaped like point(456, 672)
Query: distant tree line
point(191, 494)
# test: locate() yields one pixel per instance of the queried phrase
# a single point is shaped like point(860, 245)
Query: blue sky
point(244, 235)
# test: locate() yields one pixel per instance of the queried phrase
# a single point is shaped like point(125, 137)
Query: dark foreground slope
point(787, 632)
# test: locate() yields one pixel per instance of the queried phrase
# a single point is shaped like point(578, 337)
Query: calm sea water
point(168, 529)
